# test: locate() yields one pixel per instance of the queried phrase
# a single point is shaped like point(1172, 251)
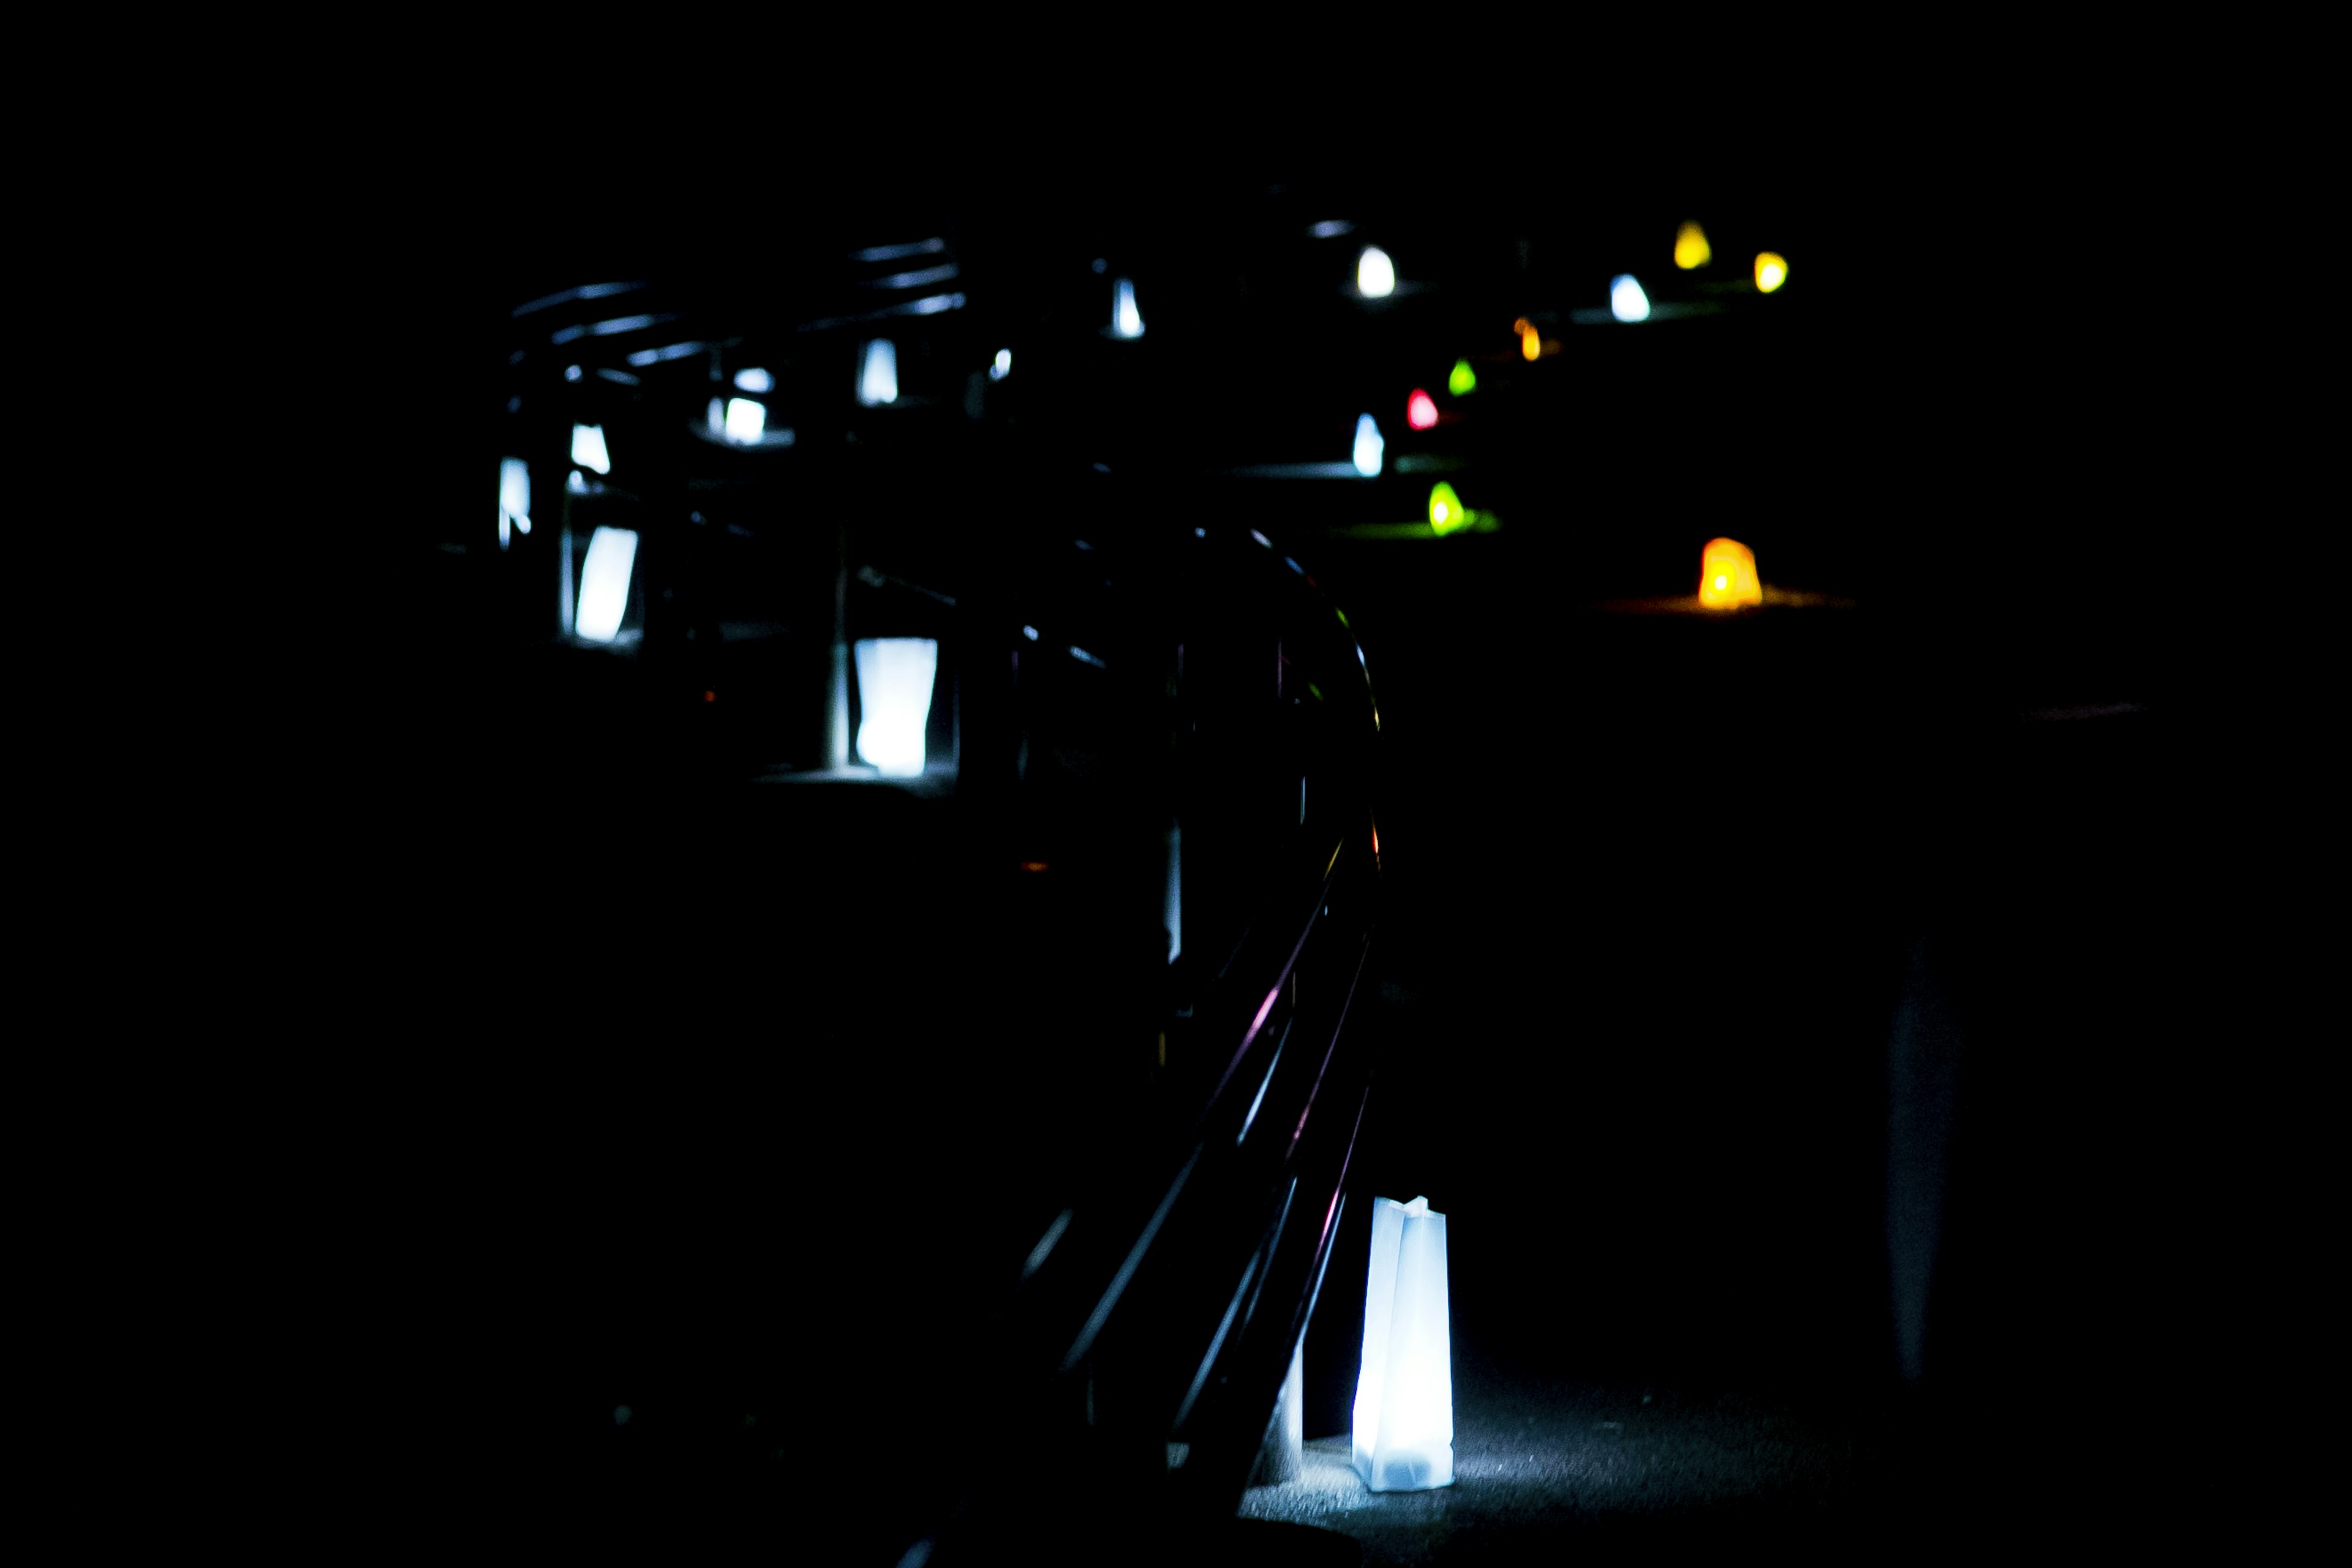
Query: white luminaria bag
point(1404, 1394)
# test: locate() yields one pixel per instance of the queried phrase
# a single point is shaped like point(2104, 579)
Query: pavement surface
point(1545, 1466)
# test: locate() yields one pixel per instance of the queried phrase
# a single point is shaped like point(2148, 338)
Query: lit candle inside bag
point(1726, 576)
point(1404, 1393)
point(895, 677)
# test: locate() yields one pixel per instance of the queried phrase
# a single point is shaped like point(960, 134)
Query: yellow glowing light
point(1771, 271)
point(1691, 249)
point(1728, 579)
point(1530, 340)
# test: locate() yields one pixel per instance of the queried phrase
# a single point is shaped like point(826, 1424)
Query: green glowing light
point(1446, 511)
point(1463, 381)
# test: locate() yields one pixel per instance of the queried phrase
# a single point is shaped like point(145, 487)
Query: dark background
point(1655, 882)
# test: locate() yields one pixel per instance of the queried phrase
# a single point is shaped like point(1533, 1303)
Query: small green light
point(1463, 381)
point(1446, 511)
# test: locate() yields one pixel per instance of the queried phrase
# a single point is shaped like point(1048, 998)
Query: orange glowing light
point(1726, 576)
point(1033, 865)
point(711, 697)
point(1530, 341)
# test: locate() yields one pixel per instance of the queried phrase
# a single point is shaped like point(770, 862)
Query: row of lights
point(1376, 279)
point(742, 420)
point(1376, 273)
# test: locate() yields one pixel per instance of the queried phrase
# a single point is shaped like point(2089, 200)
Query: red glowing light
point(1421, 410)
point(711, 697)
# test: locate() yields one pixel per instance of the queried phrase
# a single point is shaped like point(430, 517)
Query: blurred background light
point(1726, 576)
point(895, 676)
point(1126, 320)
point(645, 357)
point(1331, 228)
point(1771, 271)
point(1002, 366)
point(1375, 274)
point(878, 373)
point(1626, 300)
point(717, 417)
point(747, 420)
point(754, 380)
point(514, 497)
point(604, 583)
point(1421, 410)
point(1463, 381)
point(899, 252)
point(588, 448)
point(1691, 249)
point(572, 373)
point(1369, 447)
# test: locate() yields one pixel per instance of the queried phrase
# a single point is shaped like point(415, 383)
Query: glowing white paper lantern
point(1126, 320)
point(588, 448)
point(604, 583)
point(894, 694)
point(747, 418)
point(1626, 300)
point(514, 498)
point(1404, 1394)
point(1369, 447)
point(878, 373)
